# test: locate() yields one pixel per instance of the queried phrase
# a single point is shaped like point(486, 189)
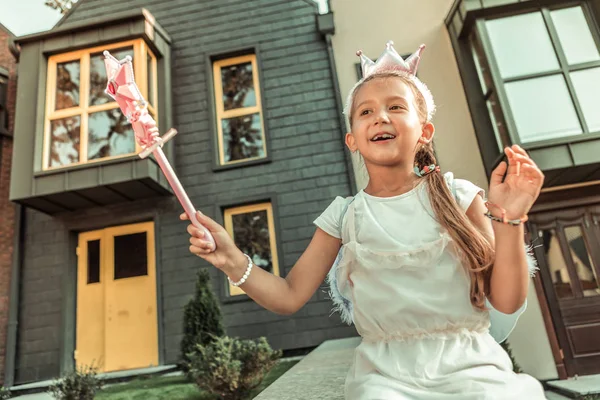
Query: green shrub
point(81, 384)
point(201, 318)
point(4, 393)
point(231, 368)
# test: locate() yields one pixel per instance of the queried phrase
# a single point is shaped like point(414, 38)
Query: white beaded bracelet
point(246, 274)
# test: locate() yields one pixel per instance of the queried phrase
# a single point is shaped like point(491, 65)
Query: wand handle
point(180, 193)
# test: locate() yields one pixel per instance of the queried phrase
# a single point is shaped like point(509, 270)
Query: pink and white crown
point(390, 60)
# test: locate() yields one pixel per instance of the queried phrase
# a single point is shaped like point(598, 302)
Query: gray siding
point(307, 170)
point(43, 268)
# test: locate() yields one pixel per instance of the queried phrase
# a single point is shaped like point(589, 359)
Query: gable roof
point(67, 14)
point(64, 18)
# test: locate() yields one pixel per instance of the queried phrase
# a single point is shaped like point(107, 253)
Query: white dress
point(398, 279)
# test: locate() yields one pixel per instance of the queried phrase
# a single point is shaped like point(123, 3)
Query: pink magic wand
point(122, 88)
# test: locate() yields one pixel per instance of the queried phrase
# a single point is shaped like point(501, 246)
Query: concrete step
point(556, 396)
point(577, 386)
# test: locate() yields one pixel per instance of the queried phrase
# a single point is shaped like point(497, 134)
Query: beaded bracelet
point(503, 219)
point(246, 274)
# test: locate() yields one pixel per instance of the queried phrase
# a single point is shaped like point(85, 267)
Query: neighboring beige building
point(358, 25)
point(549, 341)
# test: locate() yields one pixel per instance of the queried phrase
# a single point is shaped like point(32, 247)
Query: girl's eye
point(365, 112)
point(396, 108)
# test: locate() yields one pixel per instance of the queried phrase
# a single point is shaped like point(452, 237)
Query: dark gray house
point(103, 263)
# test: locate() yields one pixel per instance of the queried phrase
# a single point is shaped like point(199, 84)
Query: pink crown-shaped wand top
point(122, 88)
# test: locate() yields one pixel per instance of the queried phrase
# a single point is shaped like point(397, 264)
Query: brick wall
point(7, 209)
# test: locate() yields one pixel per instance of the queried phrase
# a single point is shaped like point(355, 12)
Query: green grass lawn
point(176, 388)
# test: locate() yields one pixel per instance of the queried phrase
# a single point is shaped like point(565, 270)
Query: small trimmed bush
point(81, 384)
point(5, 393)
point(231, 368)
point(201, 318)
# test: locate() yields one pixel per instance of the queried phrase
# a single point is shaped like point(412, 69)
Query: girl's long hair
point(474, 249)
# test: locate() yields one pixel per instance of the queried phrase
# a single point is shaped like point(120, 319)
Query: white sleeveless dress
point(398, 279)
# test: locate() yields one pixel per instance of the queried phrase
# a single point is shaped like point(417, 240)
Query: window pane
point(521, 45)
point(67, 85)
point(64, 141)
point(497, 119)
point(587, 88)
point(131, 255)
point(109, 134)
point(242, 137)
point(481, 63)
point(575, 36)
point(150, 74)
point(98, 77)
point(238, 86)
point(542, 108)
point(93, 259)
point(492, 3)
point(557, 265)
point(583, 263)
point(251, 234)
point(468, 5)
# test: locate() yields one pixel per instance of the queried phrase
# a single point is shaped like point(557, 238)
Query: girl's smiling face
point(387, 126)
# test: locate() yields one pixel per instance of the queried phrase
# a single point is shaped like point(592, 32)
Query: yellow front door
point(117, 325)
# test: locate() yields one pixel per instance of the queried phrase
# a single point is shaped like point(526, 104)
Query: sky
point(24, 17)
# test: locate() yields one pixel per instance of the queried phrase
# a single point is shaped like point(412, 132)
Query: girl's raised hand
point(226, 253)
point(516, 192)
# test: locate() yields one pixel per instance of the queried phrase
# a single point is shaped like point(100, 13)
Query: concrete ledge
point(320, 375)
point(579, 386)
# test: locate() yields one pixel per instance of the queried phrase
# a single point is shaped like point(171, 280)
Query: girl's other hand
point(516, 192)
point(226, 256)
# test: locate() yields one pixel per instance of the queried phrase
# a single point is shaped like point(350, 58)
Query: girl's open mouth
point(383, 137)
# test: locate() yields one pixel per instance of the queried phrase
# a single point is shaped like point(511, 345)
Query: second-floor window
point(82, 123)
point(239, 115)
point(540, 72)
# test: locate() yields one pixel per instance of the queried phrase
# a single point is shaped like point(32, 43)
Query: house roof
point(68, 14)
point(64, 18)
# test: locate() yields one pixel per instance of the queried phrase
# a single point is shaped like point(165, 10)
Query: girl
point(423, 260)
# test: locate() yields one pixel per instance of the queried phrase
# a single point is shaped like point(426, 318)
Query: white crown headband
point(391, 61)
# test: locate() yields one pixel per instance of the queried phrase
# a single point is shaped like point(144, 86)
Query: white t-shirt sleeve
point(463, 191)
point(330, 219)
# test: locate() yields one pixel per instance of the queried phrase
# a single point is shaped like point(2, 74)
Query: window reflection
point(242, 137)
point(109, 134)
point(557, 265)
point(238, 86)
point(64, 141)
point(67, 85)
point(98, 78)
point(582, 260)
point(251, 235)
